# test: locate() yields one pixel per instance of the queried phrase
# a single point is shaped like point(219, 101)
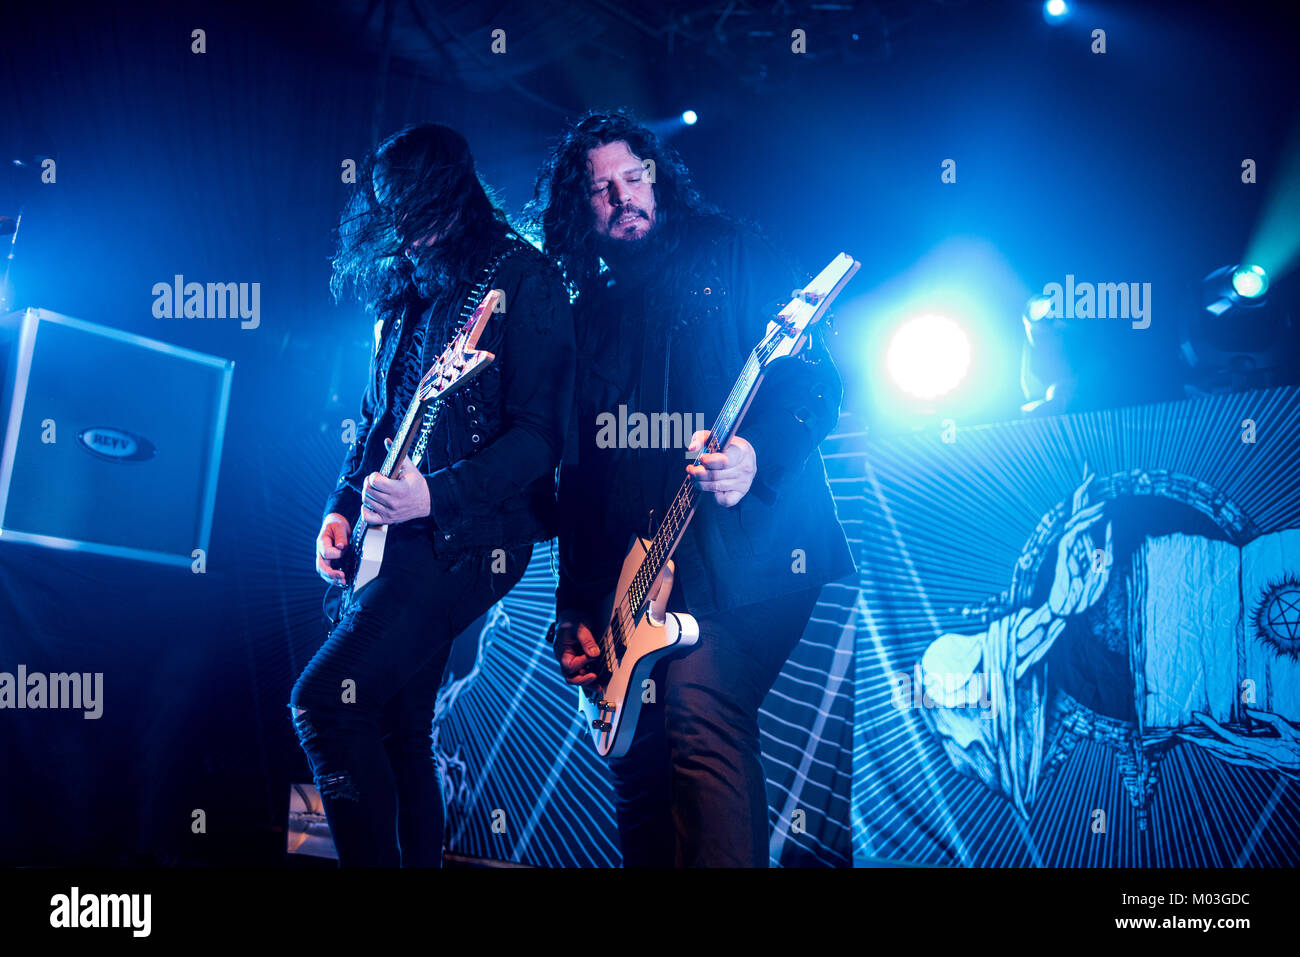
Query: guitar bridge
point(602, 723)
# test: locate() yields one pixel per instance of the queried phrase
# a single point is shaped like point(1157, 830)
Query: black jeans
point(363, 706)
point(691, 792)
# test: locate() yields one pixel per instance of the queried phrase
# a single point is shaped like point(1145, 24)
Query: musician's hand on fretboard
point(727, 474)
point(388, 501)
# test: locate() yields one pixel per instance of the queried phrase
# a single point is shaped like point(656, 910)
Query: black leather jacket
point(680, 354)
point(491, 457)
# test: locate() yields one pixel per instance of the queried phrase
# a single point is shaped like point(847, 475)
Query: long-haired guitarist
point(672, 296)
point(419, 242)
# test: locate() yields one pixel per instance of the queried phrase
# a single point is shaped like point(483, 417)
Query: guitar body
point(361, 565)
point(611, 713)
point(371, 557)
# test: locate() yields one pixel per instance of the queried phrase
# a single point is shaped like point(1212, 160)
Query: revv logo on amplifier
point(116, 445)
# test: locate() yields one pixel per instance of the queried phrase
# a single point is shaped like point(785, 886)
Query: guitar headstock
point(461, 360)
point(808, 307)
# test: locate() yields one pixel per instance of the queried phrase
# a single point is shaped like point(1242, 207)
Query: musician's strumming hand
point(576, 650)
point(388, 501)
point(727, 474)
point(330, 544)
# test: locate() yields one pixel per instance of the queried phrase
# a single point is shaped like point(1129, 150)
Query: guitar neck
point(786, 335)
point(460, 361)
point(682, 509)
point(402, 442)
point(404, 438)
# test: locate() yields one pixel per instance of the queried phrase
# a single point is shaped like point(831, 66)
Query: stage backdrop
point(1079, 640)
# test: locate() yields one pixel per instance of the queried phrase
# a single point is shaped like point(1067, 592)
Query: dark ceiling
point(575, 49)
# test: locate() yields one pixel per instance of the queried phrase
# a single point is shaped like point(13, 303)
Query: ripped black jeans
point(363, 707)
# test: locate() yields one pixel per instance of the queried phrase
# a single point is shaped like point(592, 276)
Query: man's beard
point(634, 257)
point(431, 269)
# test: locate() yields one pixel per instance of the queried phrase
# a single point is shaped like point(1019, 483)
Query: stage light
point(928, 356)
point(1250, 282)
point(1234, 287)
point(689, 117)
point(1054, 11)
point(1046, 378)
point(1242, 337)
point(931, 342)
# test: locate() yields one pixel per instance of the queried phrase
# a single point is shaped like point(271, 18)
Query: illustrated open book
point(1201, 604)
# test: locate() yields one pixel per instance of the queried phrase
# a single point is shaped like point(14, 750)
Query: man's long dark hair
point(561, 206)
point(427, 184)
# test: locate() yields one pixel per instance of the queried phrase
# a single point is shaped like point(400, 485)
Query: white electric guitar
point(639, 632)
point(457, 364)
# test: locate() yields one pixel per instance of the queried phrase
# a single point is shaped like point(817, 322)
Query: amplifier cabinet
point(112, 441)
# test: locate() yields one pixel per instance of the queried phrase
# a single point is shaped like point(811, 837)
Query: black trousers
point(363, 706)
point(691, 791)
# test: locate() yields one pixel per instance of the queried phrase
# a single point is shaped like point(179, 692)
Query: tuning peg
point(601, 725)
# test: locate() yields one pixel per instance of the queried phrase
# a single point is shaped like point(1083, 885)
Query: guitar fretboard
point(679, 512)
point(401, 445)
point(399, 448)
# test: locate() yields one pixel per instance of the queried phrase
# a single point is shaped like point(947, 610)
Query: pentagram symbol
point(1277, 616)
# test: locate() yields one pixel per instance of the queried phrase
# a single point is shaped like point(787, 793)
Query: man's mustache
point(624, 210)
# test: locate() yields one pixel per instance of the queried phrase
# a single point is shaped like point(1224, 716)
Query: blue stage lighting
point(1055, 10)
point(1244, 337)
point(1250, 282)
point(1235, 287)
point(689, 117)
point(928, 356)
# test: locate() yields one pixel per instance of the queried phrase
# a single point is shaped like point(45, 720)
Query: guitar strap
point(472, 300)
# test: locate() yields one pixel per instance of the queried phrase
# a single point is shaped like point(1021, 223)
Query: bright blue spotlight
point(1055, 10)
point(689, 117)
point(928, 356)
point(1250, 282)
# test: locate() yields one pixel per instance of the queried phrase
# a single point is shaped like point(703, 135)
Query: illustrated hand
point(388, 501)
point(727, 474)
point(1081, 572)
point(1273, 753)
